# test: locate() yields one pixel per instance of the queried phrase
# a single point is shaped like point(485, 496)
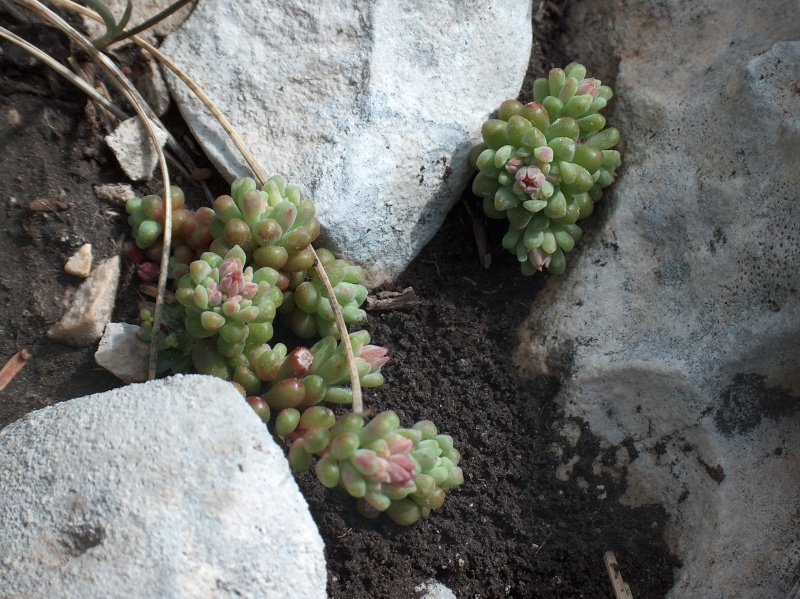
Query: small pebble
point(80, 263)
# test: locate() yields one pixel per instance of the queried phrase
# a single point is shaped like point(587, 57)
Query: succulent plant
point(233, 268)
point(307, 309)
point(305, 377)
point(275, 225)
point(190, 233)
point(543, 165)
point(403, 472)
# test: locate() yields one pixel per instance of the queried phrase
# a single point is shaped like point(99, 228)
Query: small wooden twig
point(621, 589)
point(479, 230)
point(355, 382)
point(540, 547)
point(393, 300)
point(12, 367)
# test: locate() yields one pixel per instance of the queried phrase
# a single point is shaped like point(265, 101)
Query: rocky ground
point(513, 529)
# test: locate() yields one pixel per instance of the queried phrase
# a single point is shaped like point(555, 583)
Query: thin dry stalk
point(12, 367)
point(621, 589)
point(63, 71)
point(173, 144)
point(355, 382)
point(131, 95)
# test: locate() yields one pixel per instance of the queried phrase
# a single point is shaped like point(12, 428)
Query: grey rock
point(134, 148)
point(122, 353)
point(90, 307)
point(168, 489)
point(433, 589)
point(675, 327)
point(371, 108)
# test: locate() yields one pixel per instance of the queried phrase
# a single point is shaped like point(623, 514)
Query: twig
point(141, 108)
point(12, 367)
point(621, 589)
point(479, 230)
point(355, 382)
point(393, 300)
point(540, 547)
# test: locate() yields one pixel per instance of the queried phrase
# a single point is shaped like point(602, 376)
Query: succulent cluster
point(237, 267)
point(404, 472)
point(543, 165)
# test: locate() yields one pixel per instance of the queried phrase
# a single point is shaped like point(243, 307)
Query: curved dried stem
point(63, 71)
point(355, 382)
point(127, 90)
point(173, 144)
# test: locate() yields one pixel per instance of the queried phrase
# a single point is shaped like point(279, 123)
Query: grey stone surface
point(122, 353)
point(168, 489)
point(676, 327)
point(134, 149)
point(90, 307)
point(370, 107)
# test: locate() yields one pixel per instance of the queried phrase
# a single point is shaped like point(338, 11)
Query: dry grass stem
point(393, 300)
point(621, 589)
point(355, 382)
point(63, 71)
point(132, 96)
point(12, 367)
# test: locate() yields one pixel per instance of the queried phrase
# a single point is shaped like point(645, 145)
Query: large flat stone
point(167, 489)
point(371, 108)
point(675, 330)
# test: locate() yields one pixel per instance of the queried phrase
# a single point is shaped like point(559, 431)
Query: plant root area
point(513, 529)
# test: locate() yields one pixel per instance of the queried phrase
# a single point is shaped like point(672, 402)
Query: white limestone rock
point(134, 149)
point(675, 327)
point(371, 108)
point(90, 307)
point(80, 263)
point(122, 353)
point(168, 489)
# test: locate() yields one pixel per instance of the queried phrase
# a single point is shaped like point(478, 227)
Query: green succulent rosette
point(190, 232)
point(229, 305)
point(404, 472)
point(275, 225)
point(543, 165)
point(306, 307)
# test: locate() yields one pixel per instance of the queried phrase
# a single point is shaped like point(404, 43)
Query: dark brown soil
point(513, 529)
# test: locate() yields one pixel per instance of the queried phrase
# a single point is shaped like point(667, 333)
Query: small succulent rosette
point(274, 225)
point(543, 165)
point(232, 305)
point(307, 309)
point(403, 472)
point(190, 233)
